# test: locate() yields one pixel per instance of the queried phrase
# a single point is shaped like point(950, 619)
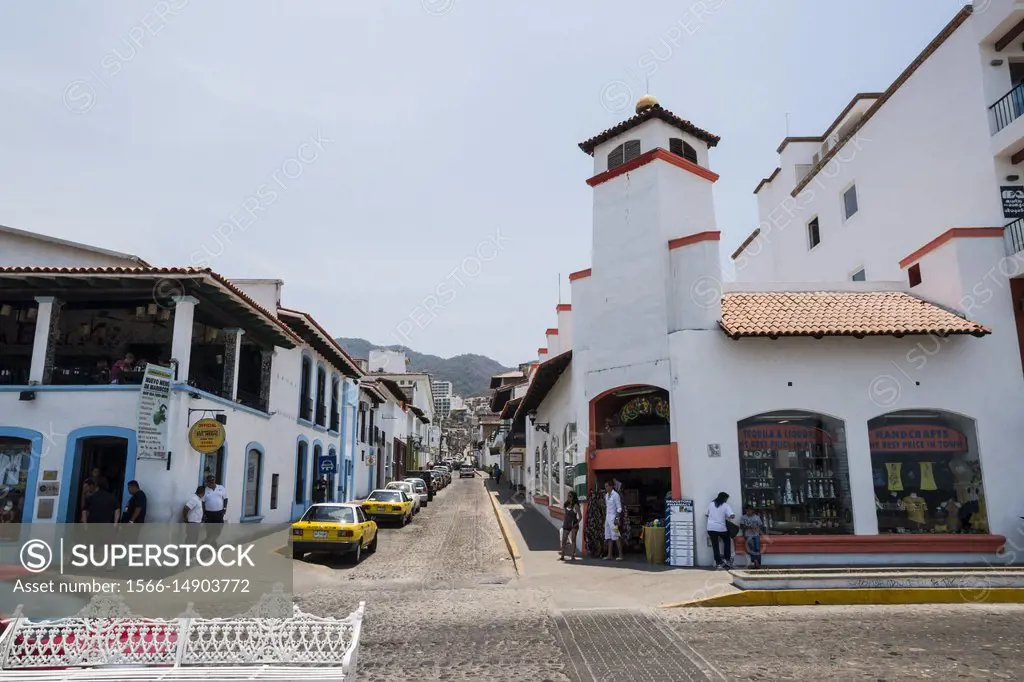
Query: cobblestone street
point(444, 603)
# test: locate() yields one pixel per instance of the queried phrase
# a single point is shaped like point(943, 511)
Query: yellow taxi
point(334, 528)
point(394, 505)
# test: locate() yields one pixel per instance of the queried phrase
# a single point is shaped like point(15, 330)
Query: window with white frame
point(859, 276)
point(253, 475)
point(850, 206)
point(813, 233)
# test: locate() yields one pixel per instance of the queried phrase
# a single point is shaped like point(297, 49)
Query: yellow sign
point(206, 436)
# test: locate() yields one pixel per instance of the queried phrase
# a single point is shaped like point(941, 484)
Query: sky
point(409, 169)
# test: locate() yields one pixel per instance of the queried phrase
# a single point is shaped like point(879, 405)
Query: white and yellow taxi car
point(334, 528)
point(393, 505)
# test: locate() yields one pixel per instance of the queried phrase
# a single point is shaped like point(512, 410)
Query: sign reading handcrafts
point(916, 438)
point(154, 403)
point(780, 437)
point(206, 436)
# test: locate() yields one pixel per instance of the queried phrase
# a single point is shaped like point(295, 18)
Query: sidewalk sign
point(680, 536)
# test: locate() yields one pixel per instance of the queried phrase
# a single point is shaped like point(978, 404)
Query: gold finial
point(646, 102)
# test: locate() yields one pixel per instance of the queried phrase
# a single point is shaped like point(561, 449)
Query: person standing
point(612, 510)
point(100, 505)
point(718, 514)
point(125, 365)
point(497, 475)
point(752, 527)
point(570, 525)
point(215, 504)
point(320, 491)
point(134, 513)
point(192, 515)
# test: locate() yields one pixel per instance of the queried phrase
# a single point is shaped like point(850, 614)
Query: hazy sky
point(375, 154)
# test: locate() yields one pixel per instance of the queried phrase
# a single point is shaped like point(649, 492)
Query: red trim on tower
point(563, 307)
point(644, 159)
point(542, 351)
point(709, 236)
point(580, 274)
point(966, 232)
point(551, 331)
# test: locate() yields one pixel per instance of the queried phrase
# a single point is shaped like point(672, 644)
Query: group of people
point(111, 374)
point(722, 529)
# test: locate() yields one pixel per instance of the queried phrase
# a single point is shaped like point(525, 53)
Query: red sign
point(780, 437)
point(916, 438)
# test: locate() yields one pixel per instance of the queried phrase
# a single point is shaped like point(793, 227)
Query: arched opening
point(305, 400)
point(253, 482)
point(794, 472)
point(321, 396)
point(926, 471)
point(632, 417)
point(301, 456)
point(682, 148)
point(335, 404)
point(15, 464)
point(544, 481)
point(624, 153)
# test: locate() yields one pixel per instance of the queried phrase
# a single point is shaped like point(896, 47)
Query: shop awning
point(220, 301)
point(544, 379)
point(838, 313)
point(316, 336)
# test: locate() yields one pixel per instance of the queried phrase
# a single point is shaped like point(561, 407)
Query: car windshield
point(385, 496)
point(399, 486)
point(335, 514)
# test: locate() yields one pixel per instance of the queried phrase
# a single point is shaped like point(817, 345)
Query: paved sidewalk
point(571, 585)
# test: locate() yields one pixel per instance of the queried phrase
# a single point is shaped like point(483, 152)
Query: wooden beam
point(1017, 157)
point(1010, 36)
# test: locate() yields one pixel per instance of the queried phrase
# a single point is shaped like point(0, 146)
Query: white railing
point(105, 641)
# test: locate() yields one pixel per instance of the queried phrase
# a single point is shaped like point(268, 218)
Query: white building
point(442, 398)
point(390, 361)
point(276, 379)
point(869, 419)
point(418, 414)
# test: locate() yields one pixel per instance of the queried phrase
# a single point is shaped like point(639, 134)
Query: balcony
point(1008, 109)
point(1013, 236)
point(1007, 125)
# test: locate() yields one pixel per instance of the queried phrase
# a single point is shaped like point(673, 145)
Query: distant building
point(390, 361)
point(442, 397)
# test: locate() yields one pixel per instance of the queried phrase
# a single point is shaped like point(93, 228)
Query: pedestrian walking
point(752, 527)
point(570, 525)
point(192, 515)
point(612, 510)
point(320, 491)
point(215, 504)
point(497, 475)
point(719, 514)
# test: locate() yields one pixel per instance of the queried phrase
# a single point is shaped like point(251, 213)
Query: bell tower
point(652, 189)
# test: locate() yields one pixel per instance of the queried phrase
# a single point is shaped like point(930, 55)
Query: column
point(181, 340)
point(44, 345)
point(266, 374)
point(232, 354)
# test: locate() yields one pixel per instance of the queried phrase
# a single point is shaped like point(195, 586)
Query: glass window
point(300, 472)
point(325, 512)
point(213, 464)
point(569, 457)
point(537, 489)
point(813, 233)
point(850, 201)
point(274, 480)
point(794, 472)
point(556, 471)
point(545, 481)
point(926, 471)
point(859, 276)
point(385, 496)
point(253, 473)
point(15, 461)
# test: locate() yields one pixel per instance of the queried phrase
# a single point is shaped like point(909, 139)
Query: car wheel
point(372, 547)
point(296, 554)
point(358, 554)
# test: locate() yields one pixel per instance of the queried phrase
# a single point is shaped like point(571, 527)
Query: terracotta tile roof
point(327, 342)
point(838, 313)
point(158, 272)
point(657, 111)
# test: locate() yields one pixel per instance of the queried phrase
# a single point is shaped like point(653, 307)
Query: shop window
point(569, 457)
point(301, 453)
point(213, 464)
point(253, 475)
point(15, 461)
point(537, 490)
point(632, 417)
point(274, 480)
point(556, 472)
point(545, 482)
point(794, 472)
point(926, 470)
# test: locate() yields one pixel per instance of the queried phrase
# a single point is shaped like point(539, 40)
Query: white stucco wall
point(19, 250)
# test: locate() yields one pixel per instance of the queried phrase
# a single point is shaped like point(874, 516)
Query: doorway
point(643, 493)
point(105, 455)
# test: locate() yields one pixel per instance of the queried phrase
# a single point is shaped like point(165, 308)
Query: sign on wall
point(579, 482)
point(680, 538)
point(1013, 201)
point(206, 436)
point(516, 457)
point(916, 438)
point(714, 449)
point(780, 437)
point(327, 465)
point(154, 405)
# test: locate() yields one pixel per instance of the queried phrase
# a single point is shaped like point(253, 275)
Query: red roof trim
point(647, 158)
point(551, 331)
point(563, 307)
point(708, 236)
point(542, 351)
point(330, 339)
point(580, 274)
point(952, 233)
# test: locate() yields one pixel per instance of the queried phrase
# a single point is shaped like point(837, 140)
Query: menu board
point(680, 533)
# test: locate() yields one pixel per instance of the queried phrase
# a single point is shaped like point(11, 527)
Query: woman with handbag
point(720, 516)
point(570, 526)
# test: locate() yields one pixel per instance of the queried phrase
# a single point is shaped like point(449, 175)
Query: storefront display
point(15, 461)
point(794, 474)
point(926, 478)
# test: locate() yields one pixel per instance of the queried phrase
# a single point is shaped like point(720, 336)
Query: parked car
point(466, 471)
point(421, 488)
point(393, 505)
point(445, 472)
point(442, 474)
point(334, 528)
point(431, 478)
point(408, 489)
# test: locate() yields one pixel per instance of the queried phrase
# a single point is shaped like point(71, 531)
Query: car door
point(369, 527)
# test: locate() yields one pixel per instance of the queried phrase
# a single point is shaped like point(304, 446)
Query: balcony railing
point(1008, 109)
point(1013, 235)
point(633, 437)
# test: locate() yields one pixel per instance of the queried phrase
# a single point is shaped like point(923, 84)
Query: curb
point(513, 550)
point(860, 596)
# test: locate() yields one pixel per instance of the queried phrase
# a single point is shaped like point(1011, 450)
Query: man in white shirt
point(215, 504)
point(612, 509)
point(192, 513)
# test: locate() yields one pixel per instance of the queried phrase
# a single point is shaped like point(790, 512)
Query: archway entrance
point(104, 458)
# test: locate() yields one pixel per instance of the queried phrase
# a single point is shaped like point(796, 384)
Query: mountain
point(470, 374)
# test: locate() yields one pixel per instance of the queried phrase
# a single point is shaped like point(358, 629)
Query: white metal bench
point(104, 641)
